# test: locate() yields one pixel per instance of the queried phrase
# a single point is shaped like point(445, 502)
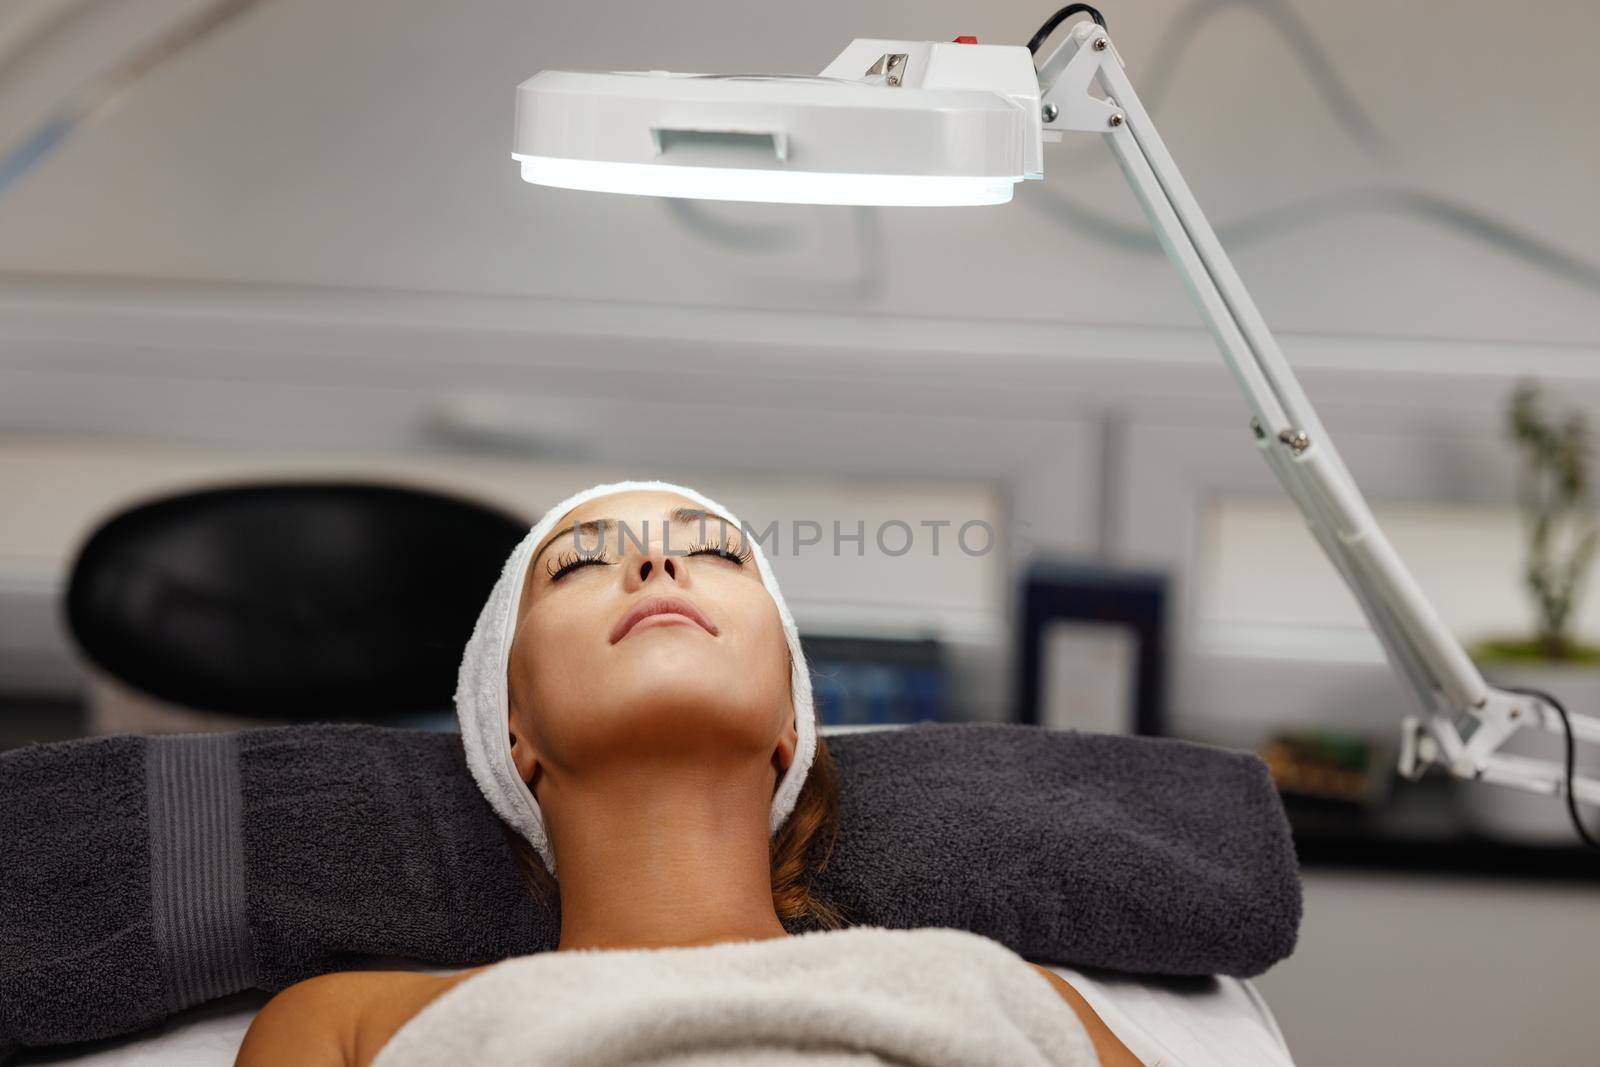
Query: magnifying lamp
point(934, 123)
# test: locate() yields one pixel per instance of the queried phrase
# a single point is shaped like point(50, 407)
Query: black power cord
point(1058, 18)
point(1566, 725)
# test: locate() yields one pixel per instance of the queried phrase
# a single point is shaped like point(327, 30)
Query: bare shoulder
point(389, 1000)
point(340, 1019)
point(1112, 1052)
point(305, 1023)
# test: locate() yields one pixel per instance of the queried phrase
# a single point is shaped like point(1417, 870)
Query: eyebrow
point(593, 526)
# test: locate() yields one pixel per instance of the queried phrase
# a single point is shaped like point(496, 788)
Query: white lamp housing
point(919, 123)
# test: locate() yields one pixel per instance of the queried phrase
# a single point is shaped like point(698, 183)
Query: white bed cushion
point(1209, 1022)
point(1185, 1022)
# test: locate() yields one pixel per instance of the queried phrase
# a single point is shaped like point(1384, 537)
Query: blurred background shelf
point(1422, 831)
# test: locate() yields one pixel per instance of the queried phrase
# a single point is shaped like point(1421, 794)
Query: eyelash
point(573, 560)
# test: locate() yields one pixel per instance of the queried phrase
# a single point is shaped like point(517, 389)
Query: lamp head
point(919, 123)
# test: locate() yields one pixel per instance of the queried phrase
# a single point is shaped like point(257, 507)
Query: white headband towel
point(481, 686)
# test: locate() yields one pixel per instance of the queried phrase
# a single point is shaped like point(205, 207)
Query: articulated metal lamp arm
point(1446, 684)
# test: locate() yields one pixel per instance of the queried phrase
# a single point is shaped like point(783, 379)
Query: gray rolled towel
point(149, 874)
point(1139, 854)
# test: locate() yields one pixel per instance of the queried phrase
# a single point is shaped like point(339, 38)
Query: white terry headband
point(481, 700)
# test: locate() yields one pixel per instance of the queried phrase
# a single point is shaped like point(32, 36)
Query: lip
point(661, 605)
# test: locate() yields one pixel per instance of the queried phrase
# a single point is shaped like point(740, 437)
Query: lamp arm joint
point(1066, 80)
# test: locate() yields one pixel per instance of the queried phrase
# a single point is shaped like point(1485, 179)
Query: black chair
point(291, 601)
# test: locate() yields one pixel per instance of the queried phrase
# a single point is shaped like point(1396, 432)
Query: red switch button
point(966, 40)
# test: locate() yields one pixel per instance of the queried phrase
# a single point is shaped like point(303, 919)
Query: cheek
point(555, 668)
point(762, 655)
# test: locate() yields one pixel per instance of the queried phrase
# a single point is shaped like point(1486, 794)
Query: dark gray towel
point(148, 874)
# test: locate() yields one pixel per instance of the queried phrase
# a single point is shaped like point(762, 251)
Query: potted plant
point(1561, 536)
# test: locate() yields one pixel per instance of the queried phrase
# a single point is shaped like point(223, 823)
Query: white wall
point(1422, 971)
point(1423, 169)
point(58, 490)
point(1106, 441)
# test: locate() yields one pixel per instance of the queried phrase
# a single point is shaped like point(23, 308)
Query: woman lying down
point(635, 703)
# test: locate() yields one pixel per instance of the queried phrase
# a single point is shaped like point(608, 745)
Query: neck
point(669, 855)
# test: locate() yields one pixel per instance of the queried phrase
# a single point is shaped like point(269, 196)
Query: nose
point(654, 561)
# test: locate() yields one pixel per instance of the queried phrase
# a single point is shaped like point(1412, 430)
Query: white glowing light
point(773, 186)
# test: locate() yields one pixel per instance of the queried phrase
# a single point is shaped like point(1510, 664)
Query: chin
point(671, 695)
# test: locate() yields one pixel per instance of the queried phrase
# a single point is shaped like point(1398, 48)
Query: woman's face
point(585, 695)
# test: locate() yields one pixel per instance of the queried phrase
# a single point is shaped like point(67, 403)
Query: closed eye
point(571, 562)
point(720, 550)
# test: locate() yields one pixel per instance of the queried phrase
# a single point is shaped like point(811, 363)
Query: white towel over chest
point(864, 995)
